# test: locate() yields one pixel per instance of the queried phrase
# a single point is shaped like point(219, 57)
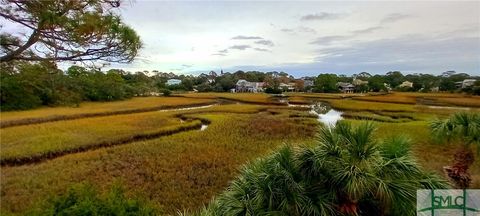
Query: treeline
point(26, 85)
point(446, 82)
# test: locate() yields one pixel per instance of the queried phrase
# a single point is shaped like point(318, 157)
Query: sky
point(306, 38)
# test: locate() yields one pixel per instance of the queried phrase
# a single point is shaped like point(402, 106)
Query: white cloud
point(265, 42)
point(241, 37)
point(321, 16)
point(208, 35)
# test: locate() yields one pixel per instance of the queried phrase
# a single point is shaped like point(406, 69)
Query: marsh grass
point(389, 98)
point(378, 116)
point(442, 99)
point(254, 98)
point(369, 106)
point(34, 143)
point(473, 101)
point(185, 170)
point(43, 139)
point(180, 171)
point(96, 109)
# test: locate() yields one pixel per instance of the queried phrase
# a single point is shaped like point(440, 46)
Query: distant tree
point(344, 78)
point(447, 85)
point(226, 82)
point(66, 30)
point(459, 77)
point(476, 88)
point(326, 83)
point(284, 79)
point(361, 88)
point(239, 75)
point(15, 93)
point(28, 85)
point(376, 83)
point(272, 81)
point(204, 87)
point(139, 83)
point(448, 73)
point(187, 84)
point(166, 92)
point(299, 85)
point(394, 78)
point(254, 76)
point(363, 75)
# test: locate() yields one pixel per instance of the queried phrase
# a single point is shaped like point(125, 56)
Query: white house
point(246, 86)
point(173, 82)
point(406, 84)
point(307, 83)
point(287, 87)
point(467, 83)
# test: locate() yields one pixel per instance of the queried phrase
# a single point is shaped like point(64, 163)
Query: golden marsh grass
point(185, 170)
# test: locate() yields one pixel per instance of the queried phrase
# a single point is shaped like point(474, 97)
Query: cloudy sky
point(306, 38)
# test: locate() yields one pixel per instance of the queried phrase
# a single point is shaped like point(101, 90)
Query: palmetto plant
point(466, 128)
point(348, 172)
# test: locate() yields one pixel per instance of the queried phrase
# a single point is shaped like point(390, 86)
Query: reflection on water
point(280, 98)
point(186, 108)
point(285, 101)
point(204, 127)
point(299, 105)
point(449, 107)
point(330, 118)
point(326, 114)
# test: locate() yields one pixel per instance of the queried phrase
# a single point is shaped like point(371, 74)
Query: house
point(307, 83)
point(287, 87)
point(387, 86)
point(345, 87)
point(259, 86)
point(246, 86)
point(406, 84)
point(358, 82)
point(173, 82)
point(465, 83)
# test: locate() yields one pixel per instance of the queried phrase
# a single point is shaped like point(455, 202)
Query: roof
point(241, 81)
point(345, 85)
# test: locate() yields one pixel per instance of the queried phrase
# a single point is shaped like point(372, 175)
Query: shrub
point(476, 90)
point(166, 92)
point(83, 199)
point(271, 90)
